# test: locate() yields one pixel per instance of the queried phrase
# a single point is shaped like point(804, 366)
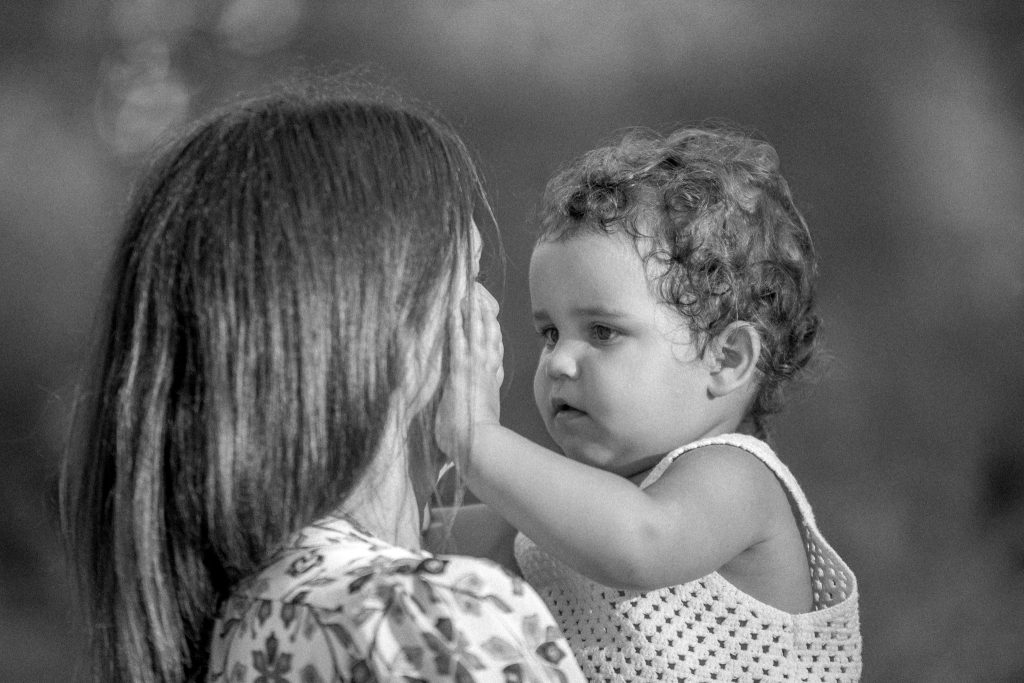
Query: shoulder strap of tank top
point(755, 447)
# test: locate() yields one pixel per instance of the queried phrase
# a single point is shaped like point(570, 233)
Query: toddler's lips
point(562, 410)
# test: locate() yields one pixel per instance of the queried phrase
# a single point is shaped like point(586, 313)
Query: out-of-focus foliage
point(900, 128)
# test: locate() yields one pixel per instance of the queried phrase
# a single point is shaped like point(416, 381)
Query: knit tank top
point(707, 629)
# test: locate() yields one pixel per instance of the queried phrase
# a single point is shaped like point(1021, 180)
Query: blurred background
point(901, 131)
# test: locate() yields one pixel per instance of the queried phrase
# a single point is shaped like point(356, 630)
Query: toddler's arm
point(706, 510)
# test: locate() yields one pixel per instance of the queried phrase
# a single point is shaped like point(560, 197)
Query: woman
point(260, 445)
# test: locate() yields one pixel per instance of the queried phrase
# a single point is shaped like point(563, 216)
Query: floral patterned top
point(338, 604)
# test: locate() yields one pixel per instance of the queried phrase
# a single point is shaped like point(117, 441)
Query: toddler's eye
point(550, 335)
point(603, 333)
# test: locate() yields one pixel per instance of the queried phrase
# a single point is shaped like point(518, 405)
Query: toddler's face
point(618, 383)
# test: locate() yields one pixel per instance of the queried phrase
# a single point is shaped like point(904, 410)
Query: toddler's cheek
point(540, 390)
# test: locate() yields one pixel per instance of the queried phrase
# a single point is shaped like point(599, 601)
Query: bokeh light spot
point(253, 27)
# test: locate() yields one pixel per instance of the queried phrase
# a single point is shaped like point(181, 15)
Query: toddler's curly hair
point(710, 208)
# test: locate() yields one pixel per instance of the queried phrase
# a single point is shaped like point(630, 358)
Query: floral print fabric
point(338, 604)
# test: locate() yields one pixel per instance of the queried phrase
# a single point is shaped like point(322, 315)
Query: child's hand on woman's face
point(487, 354)
point(471, 394)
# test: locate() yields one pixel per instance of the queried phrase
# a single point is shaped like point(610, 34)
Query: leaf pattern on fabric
point(288, 613)
point(271, 664)
point(264, 612)
point(499, 648)
point(337, 604)
point(551, 652)
point(500, 604)
point(304, 563)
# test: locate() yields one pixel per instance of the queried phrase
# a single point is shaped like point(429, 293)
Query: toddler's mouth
point(560, 408)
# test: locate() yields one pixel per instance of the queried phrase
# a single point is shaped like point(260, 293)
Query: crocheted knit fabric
point(707, 630)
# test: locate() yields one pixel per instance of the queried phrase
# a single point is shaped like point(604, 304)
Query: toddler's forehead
point(642, 231)
point(643, 250)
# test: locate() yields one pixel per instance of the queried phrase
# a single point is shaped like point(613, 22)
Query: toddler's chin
point(599, 459)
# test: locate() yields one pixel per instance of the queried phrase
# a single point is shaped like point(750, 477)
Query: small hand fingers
point(488, 312)
point(485, 294)
point(476, 320)
point(457, 321)
point(487, 305)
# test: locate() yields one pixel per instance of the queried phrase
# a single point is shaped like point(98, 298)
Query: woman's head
point(709, 210)
point(277, 267)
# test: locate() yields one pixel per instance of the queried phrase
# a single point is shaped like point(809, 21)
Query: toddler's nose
point(562, 363)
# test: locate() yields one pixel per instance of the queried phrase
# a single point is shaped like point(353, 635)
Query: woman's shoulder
point(348, 603)
point(327, 565)
point(324, 563)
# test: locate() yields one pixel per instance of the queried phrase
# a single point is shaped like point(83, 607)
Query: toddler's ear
point(734, 354)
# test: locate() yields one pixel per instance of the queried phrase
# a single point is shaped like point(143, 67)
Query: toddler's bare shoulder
point(728, 470)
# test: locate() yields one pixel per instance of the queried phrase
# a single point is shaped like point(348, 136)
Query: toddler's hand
point(471, 394)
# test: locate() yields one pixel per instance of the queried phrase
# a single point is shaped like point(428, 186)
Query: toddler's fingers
point(490, 303)
point(457, 321)
point(489, 320)
point(476, 329)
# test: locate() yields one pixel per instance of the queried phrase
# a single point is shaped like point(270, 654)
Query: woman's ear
point(735, 352)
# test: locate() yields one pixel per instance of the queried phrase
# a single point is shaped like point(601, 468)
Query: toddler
point(672, 287)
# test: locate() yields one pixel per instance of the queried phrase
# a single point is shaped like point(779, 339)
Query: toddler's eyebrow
point(587, 312)
point(602, 312)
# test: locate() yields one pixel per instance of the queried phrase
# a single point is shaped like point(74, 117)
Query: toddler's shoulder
point(724, 464)
point(735, 473)
point(735, 459)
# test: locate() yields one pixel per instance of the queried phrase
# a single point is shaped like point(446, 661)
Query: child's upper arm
point(709, 506)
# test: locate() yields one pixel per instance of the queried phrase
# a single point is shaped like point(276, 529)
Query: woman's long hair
point(273, 265)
